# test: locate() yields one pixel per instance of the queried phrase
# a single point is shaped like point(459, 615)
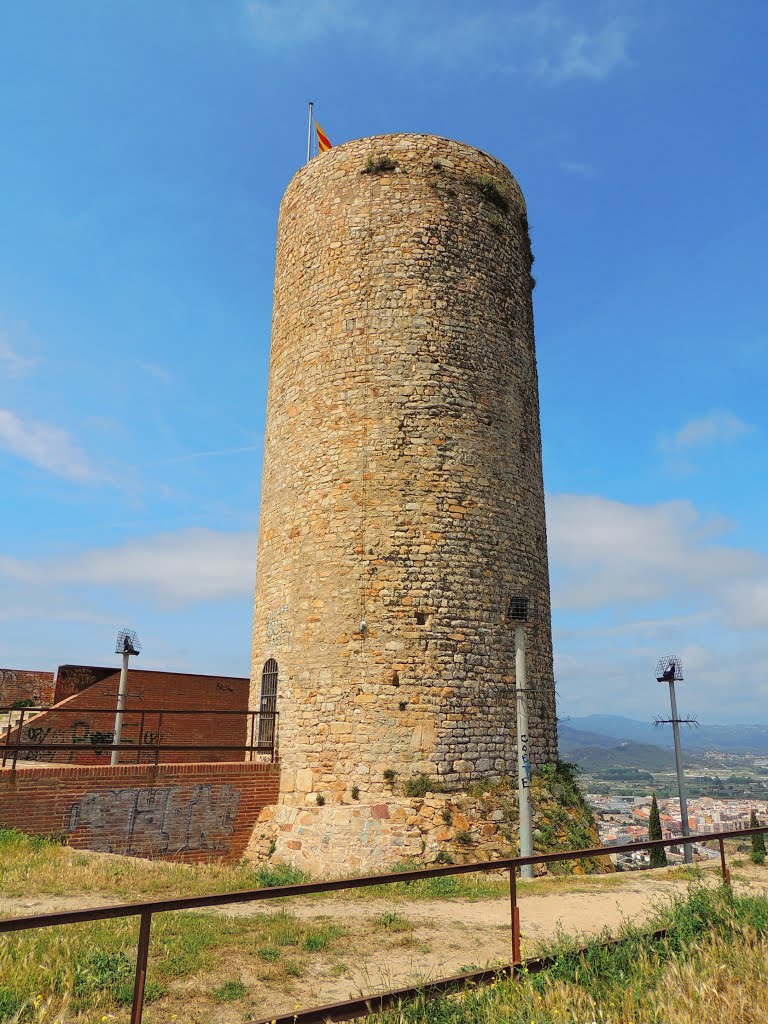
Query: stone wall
point(333, 840)
point(402, 495)
point(343, 839)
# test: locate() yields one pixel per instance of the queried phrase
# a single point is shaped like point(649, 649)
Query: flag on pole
point(323, 142)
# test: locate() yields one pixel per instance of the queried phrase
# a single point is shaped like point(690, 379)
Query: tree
point(658, 853)
point(758, 840)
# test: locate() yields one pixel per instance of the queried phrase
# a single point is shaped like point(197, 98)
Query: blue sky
point(145, 149)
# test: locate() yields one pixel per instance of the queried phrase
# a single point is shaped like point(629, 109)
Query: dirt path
point(427, 939)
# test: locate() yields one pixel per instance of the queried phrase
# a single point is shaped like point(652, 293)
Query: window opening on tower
point(268, 702)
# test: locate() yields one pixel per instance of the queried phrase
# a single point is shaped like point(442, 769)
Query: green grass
point(229, 991)
point(711, 934)
point(90, 967)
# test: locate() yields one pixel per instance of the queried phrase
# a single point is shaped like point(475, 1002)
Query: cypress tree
point(758, 840)
point(658, 853)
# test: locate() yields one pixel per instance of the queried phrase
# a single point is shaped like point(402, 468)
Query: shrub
point(379, 164)
point(420, 785)
point(497, 222)
point(355, 792)
point(758, 840)
point(493, 191)
point(658, 853)
point(389, 775)
point(319, 799)
point(465, 838)
point(270, 875)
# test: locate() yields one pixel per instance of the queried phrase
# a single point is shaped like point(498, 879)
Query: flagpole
point(309, 132)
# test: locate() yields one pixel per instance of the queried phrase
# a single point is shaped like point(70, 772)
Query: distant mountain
point(596, 753)
point(610, 730)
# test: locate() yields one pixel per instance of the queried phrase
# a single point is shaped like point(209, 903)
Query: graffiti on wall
point(17, 684)
point(81, 732)
point(157, 820)
point(72, 679)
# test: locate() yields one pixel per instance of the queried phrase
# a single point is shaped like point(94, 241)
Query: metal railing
point(258, 729)
point(350, 1009)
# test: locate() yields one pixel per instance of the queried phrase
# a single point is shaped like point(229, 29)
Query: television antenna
point(670, 670)
point(127, 644)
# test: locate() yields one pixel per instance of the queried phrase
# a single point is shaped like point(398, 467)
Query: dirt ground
point(424, 939)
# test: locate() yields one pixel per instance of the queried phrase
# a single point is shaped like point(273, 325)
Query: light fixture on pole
point(127, 644)
point(517, 612)
point(668, 670)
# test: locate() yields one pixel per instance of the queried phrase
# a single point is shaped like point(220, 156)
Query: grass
point(229, 991)
point(492, 190)
point(36, 865)
point(712, 967)
point(90, 967)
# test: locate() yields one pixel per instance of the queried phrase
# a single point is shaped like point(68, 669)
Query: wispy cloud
point(609, 554)
point(549, 40)
point(717, 428)
point(177, 567)
point(191, 456)
point(44, 445)
point(584, 54)
point(584, 170)
point(155, 370)
point(12, 363)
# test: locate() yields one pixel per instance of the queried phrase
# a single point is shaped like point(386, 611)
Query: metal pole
point(515, 916)
point(723, 866)
point(142, 953)
point(523, 756)
point(309, 132)
point(688, 850)
point(121, 691)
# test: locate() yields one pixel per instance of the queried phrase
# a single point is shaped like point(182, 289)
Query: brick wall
point(191, 812)
point(75, 721)
point(22, 684)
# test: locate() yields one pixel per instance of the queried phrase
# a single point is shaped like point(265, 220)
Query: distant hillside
point(610, 753)
point(614, 729)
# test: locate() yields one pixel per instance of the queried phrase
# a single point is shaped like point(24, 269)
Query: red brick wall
point(189, 812)
point(74, 721)
point(71, 679)
point(21, 684)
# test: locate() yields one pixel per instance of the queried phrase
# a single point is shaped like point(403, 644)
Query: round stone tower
point(402, 502)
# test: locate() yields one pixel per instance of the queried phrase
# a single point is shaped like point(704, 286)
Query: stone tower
point(402, 498)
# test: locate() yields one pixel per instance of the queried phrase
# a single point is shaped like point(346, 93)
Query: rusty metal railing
point(258, 728)
point(350, 1009)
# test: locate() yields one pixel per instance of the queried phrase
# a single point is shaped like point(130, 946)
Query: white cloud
point(584, 170)
point(155, 370)
point(180, 567)
point(607, 554)
point(583, 54)
point(44, 445)
point(548, 40)
point(717, 428)
point(12, 363)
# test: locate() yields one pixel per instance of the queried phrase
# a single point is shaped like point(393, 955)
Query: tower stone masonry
point(402, 496)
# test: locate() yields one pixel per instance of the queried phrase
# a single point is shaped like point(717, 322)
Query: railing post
point(159, 736)
point(142, 954)
point(515, 915)
point(723, 867)
point(19, 739)
point(7, 737)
